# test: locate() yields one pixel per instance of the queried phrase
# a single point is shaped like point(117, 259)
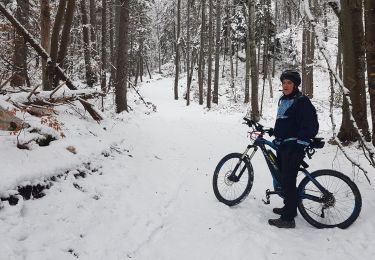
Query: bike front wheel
point(233, 179)
point(339, 206)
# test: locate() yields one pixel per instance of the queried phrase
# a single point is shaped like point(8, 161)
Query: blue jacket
point(296, 118)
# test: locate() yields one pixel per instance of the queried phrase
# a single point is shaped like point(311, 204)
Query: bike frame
point(262, 143)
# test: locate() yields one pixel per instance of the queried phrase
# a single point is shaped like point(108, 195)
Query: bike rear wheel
point(227, 187)
point(340, 207)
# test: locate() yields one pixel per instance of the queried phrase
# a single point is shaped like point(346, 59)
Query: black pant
point(290, 157)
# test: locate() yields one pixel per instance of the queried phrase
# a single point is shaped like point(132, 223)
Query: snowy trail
point(154, 200)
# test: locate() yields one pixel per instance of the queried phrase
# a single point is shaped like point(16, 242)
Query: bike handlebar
point(258, 127)
point(315, 143)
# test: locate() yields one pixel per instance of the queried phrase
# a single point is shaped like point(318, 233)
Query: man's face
point(288, 86)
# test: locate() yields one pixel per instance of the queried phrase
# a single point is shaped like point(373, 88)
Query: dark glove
point(270, 132)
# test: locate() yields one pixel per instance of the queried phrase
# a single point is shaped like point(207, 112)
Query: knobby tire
point(347, 200)
point(232, 193)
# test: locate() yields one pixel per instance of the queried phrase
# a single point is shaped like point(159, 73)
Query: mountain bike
point(327, 198)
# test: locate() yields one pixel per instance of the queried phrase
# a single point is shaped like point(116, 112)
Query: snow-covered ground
point(150, 195)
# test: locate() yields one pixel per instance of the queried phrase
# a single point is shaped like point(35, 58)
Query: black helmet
point(292, 75)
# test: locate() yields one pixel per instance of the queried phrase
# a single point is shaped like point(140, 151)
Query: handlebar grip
point(248, 121)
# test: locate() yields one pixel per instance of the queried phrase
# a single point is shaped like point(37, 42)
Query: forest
point(108, 47)
point(115, 44)
point(115, 113)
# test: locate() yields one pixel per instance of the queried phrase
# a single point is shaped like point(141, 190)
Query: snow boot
point(280, 223)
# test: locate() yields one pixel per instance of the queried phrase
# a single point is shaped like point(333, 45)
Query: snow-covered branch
point(369, 152)
point(43, 53)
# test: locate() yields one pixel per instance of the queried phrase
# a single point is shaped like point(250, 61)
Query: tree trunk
point(310, 47)
point(254, 68)
point(289, 9)
point(230, 49)
point(65, 35)
point(370, 54)
point(93, 29)
point(55, 42)
point(111, 44)
point(19, 77)
point(188, 83)
point(339, 53)
point(266, 40)
point(201, 53)
point(136, 70)
point(122, 58)
point(132, 61)
point(304, 54)
point(140, 54)
point(148, 69)
point(354, 70)
point(308, 50)
point(310, 68)
point(104, 46)
point(248, 56)
point(209, 56)
point(325, 19)
point(215, 96)
point(177, 46)
point(159, 45)
point(86, 45)
point(45, 28)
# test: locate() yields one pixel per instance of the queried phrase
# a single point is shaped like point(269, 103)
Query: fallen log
point(42, 104)
point(43, 53)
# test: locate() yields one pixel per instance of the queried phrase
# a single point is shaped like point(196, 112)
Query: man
point(296, 124)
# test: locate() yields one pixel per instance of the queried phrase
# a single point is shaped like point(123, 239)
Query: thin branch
point(132, 85)
point(56, 89)
point(369, 150)
point(32, 92)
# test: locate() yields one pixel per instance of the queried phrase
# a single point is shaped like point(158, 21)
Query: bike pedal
point(267, 201)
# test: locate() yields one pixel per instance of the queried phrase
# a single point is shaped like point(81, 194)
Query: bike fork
point(233, 176)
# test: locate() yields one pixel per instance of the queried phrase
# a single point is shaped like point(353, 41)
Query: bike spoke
point(337, 209)
point(228, 189)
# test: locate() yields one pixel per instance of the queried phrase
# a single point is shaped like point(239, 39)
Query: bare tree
point(308, 51)
point(255, 115)
point(93, 26)
point(266, 47)
point(215, 96)
point(370, 55)
point(104, 45)
point(201, 52)
point(209, 55)
point(86, 45)
point(354, 70)
point(55, 42)
point(122, 58)
point(20, 76)
point(230, 45)
point(65, 35)
point(177, 47)
point(248, 54)
point(188, 52)
point(45, 35)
